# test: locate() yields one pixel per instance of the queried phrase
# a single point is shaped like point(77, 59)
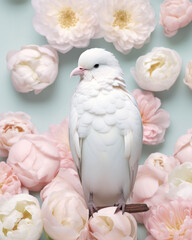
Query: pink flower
point(175, 14)
point(60, 133)
point(150, 188)
point(35, 160)
point(13, 125)
point(65, 216)
point(183, 148)
point(154, 175)
point(150, 237)
point(9, 182)
point(161, 162)
point(105, 225)
point(155, 120)
point(65, 179)
point(68, 163)
point(170, 220)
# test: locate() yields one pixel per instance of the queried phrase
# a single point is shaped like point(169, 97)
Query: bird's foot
point(91, 206)
point(120, 204)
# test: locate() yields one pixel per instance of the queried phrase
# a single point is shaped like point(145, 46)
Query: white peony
point(180, 182)
point(105, 225)
point(126, 24)
point(66, 23)
point(65, 215)
point(158, 69)
point(33, 68)
point(20, 218)
point(188, 75)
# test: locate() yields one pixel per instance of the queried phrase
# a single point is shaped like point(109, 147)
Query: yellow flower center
point(156, 65)
point(67, 18)
point(8, 127)
point(158, 162)
point(121, 19)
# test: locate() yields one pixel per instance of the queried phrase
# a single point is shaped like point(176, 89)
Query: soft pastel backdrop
point(53, 104)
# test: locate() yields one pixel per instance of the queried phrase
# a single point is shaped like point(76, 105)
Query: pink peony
point(68, 163)
point(105, 225)
point(175, 14)
point(161, 162)
point(150, 237)
point(9, 182)
point(60, 133)
point(65, 216)
point(152, 181)
point(155, 120)
point(35, 160)
point(150, 188)
point(13, 125)
point(170, 220)
point(65, 179)
point(183, 148)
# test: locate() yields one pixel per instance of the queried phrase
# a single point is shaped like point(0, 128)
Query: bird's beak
point(78, 71)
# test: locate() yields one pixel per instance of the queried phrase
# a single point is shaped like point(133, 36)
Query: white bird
point(105, 131)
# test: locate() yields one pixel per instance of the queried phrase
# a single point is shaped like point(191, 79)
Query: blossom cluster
point(66, 24)
point(127, 24)
point(164, 184)
point(43, 162)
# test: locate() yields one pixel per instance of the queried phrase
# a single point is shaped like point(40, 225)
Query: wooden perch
point(133, 208)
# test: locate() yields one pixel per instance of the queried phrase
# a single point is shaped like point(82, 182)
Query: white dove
point(105, 131)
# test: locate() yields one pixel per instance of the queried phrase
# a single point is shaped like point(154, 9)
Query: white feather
point(105, 130)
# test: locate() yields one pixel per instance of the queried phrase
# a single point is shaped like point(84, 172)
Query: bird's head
point(97, 63)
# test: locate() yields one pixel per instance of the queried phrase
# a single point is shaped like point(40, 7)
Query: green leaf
point(48, 238)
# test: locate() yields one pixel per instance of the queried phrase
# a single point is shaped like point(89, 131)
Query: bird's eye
point(96, 65)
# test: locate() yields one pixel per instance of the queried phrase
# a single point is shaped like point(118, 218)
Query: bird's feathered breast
point(102, 106)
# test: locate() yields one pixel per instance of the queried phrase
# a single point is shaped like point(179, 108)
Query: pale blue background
point(52, 105)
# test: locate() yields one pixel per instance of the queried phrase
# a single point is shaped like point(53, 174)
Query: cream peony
point(66, 23)
point(65, 216)
point(105, 225)
point(20, 218)
point(180, 182)
point(33, 68)
point(126, 24)
point(188, 75)
point(158, 69)
point(13, 125)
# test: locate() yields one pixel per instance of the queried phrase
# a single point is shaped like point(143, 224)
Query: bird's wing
point(74, 139)
point(133, 134)
point(134, 141)
point(133, 148)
